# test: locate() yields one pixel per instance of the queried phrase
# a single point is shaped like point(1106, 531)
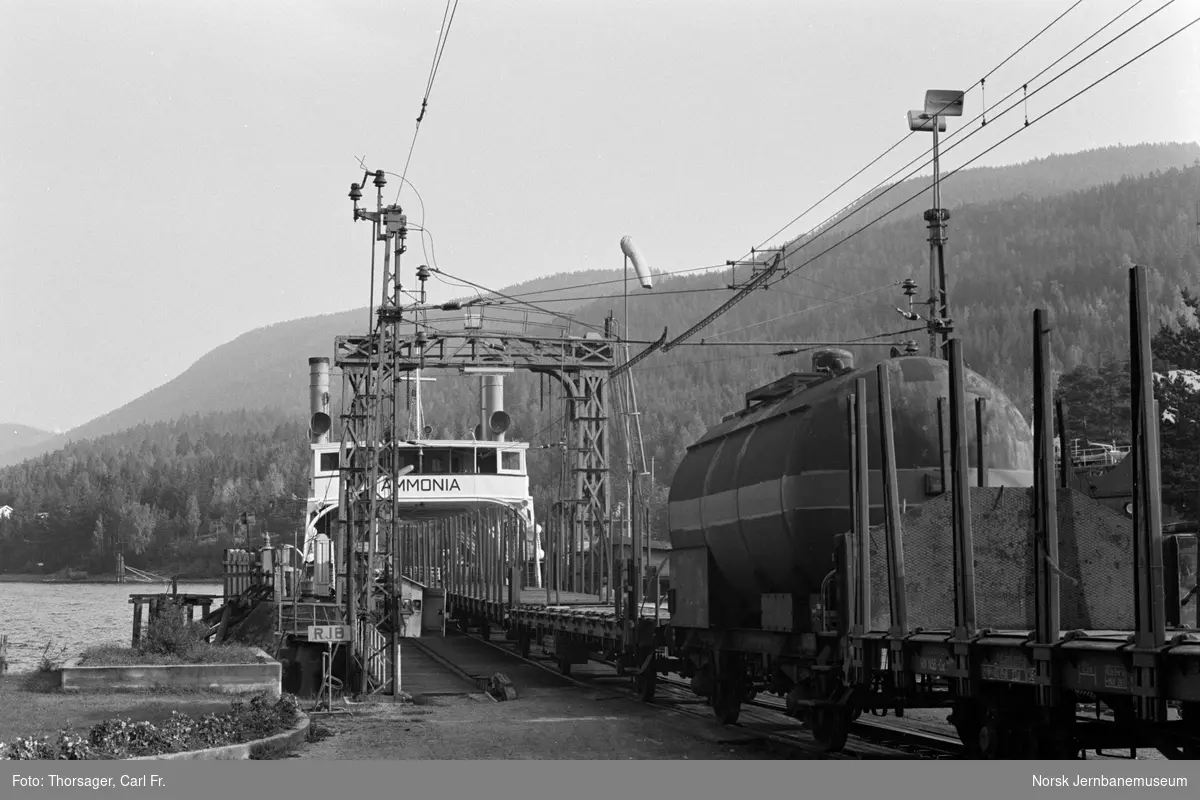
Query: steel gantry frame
point(373, 367)
point(583, 366)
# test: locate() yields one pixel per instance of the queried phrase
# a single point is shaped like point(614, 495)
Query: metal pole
point(1048, 621)
point(863, 498)
point(980, 438)
point(965, 550)
point(1149, 594)
point(891, 496)
point(1064, 457)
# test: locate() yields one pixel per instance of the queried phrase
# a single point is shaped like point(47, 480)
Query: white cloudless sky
point(174, 174)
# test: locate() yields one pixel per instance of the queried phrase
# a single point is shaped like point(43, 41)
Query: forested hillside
point(1066, 253)
point(167, 494)
point(263, 367)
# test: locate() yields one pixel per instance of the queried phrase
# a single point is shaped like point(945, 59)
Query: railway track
point(761, 719)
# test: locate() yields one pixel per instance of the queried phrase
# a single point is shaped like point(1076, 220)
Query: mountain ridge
point(249, 372)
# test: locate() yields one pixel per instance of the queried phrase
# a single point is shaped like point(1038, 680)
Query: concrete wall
point(229, 678)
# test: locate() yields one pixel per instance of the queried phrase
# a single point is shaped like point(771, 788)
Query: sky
point(174, 174)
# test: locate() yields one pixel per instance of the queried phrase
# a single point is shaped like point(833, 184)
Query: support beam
point(964, 573)
point(1150, 631)
point(891, 503)
point(1047, 596)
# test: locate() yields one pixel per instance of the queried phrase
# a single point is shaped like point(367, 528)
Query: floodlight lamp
point(944, 103)
point(920, 121)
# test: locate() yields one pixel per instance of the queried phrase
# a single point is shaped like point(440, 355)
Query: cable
point(1011, 135)
point(439, 48)
point(980, 82)
point(554, 314)
point(805, 310)
point(790, 271)
point(854, 207)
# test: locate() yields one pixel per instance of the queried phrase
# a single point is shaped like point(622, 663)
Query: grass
point(34, 706)
point(113, 655)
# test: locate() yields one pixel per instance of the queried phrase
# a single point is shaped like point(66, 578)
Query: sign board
point(329, 634)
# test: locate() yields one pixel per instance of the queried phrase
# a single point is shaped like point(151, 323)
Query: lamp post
point(939, 104)
point(634, 490)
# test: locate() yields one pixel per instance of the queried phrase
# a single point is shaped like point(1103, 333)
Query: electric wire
point(856, 206)
point(792, 270)
point(910, 133)
point(803, 310)
point(443, 36)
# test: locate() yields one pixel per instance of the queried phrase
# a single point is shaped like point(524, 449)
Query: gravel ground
point(543, 723)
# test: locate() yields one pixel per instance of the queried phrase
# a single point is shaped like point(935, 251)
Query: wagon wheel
point(830, 727)
point(645, 682)
point(992, 736)
point(727, 701)
point(968, 722)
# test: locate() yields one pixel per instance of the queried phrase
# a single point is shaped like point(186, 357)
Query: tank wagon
point(773, 591)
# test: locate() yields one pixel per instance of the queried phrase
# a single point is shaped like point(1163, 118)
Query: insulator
point(355, 192)
point(910, 287)
point(380, 181)
point(911, 348)
point(422, 273)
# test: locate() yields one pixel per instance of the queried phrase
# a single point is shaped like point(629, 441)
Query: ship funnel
point(639, 264)
point(318, 400)
point(494, 419)
point(832, 359)
point(499, 421)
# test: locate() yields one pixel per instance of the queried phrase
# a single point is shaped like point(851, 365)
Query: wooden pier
point(157, 603)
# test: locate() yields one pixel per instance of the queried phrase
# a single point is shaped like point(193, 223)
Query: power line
point(804, 310)
point(857, 206)
point(1011, 135)
point(904, 138)
point(554, 314)
point(439, 48)
point(843, 183)
point(766, 275)
point(945, 150)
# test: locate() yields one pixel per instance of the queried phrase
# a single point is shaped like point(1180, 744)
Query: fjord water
point(72, 615)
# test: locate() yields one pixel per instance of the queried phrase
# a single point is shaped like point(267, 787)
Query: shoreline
point(110, 579)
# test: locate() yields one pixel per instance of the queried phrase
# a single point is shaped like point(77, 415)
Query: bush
point(170, 634)
point(115, 655)
point(122, 738)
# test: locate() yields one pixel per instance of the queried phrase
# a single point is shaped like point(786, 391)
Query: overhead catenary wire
point(765, 278)
point(858, 205)
point(906, 136)
point(443, 36)
point(803, 310)
point(855, 208)
point(555, 314)
point(966, 138)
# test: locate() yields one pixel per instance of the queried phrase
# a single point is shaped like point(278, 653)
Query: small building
point(6, 512)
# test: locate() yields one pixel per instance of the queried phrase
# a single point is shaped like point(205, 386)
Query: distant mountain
point(1052, 175)
point(996, 208)
point(1065, 253)
point(15, 437)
